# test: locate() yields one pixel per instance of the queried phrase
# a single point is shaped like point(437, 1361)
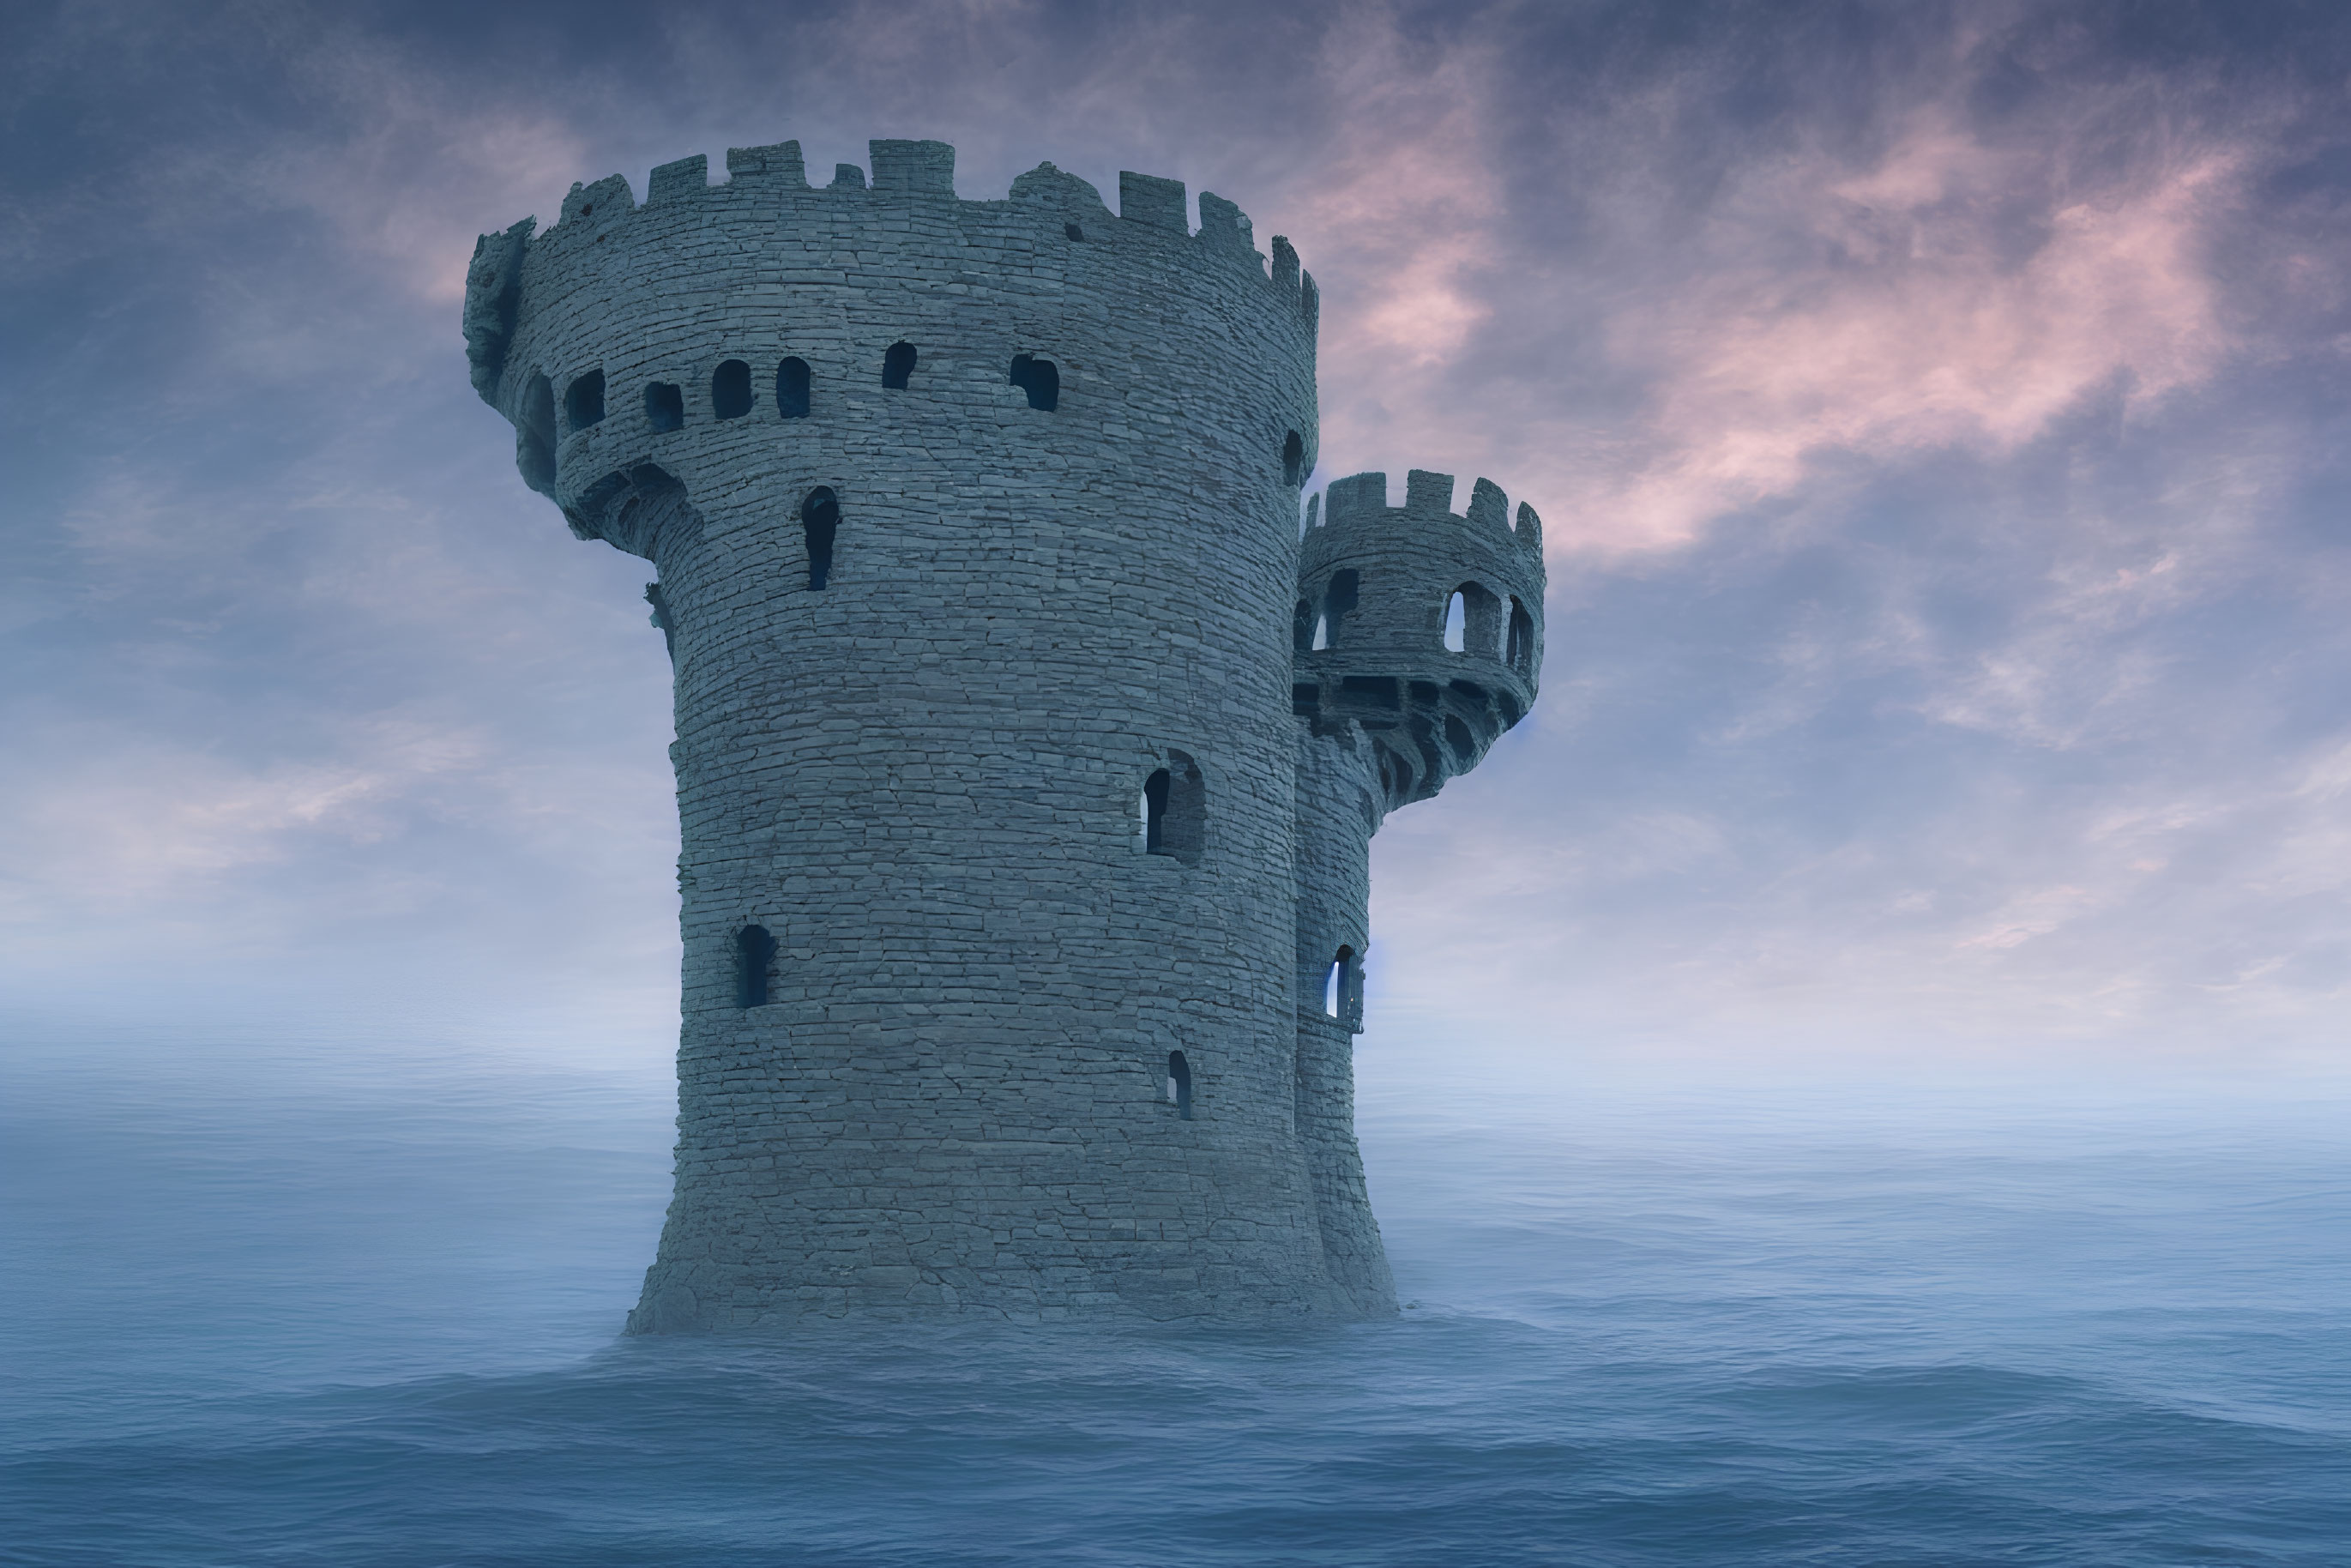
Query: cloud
point(1914, 325)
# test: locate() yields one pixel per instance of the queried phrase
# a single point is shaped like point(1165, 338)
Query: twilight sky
point(1937, 414)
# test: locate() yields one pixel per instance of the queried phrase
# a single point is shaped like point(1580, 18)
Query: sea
point(326, 1293)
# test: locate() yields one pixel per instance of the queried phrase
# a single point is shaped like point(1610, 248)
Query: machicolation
point(1029, 750)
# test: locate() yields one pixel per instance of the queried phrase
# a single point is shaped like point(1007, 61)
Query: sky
point(1937, 413)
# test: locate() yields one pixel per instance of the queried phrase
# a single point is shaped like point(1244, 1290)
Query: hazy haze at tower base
point(341, 1296)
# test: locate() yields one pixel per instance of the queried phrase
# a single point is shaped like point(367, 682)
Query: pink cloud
point(1912, 329)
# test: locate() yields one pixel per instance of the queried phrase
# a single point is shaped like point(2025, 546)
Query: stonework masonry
point(1029, 750)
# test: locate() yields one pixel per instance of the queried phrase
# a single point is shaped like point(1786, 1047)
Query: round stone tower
point(976, 531)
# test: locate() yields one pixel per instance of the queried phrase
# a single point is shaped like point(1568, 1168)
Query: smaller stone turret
point(1416, 641)
point(1377, 586)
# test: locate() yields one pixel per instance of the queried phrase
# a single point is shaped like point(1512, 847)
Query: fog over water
point(1858, 1077)
point(350, 1297)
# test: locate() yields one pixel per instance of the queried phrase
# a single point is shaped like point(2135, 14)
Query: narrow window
point(1457, 623)
point(730, 390)
point(1175, 810)
point(1301, 628)
point(535, 436)
point(897, 364)
point(1335, 982)
point(1339, 602)
point(1322, 634)
point(1154, 813)
point(792, 389)
point(1040, 379)
point(1179, 1083)
point(1293, 460)
point(820, 517)
point(755, 951)
point(1522, 636)
point(583, 399)
point(665, 406)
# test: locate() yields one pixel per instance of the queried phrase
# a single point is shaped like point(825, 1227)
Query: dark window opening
point(1521, 650)
point(1423, 693)
point(1306, 699)
point(730, 390)
point(792, 389)
point(535, 437)
point(1073, 231)
point(1458, 737)
point(897, 365)
point(820, 519)
point(665, 406)
point(1293, 460)
point(1339, 600)
point(1179, 1085)
point(1039, 378)
point(755, 951)
point(1457, 623)
point(1302, 627)
point(1175, 809)
point(1373, 691)
point(583, 399)
point(1154, 812)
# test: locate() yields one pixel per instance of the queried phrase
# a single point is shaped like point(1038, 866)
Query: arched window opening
point(1175, 809)
point(1322, 634)
point(1522, 651)
point(1179, 1085)
point(1335, 983)
point(1481, 621)
point(1339, 600)
point(897, 365)
point(1302, 627)
point(820, 519)
point(1154, 812)
point(1458, 737)
point(792, 389)
point(583, 399)
point(535, 436)
point(754, 954)
point(1293, 460)
point(1039, 378)
point(730, 390)
point(665, 406)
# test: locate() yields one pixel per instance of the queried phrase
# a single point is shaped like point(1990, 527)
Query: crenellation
point(1152, 201)
point(680, 181)
point(778, 165)
point(913, 168)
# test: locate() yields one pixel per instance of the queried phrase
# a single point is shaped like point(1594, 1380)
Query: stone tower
point(1027, 759)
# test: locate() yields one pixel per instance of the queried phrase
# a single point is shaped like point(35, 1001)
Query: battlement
point(608, 340)
point(769, 185)
point(1359, 503)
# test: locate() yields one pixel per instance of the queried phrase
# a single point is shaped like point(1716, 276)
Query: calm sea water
point(353, 1301)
